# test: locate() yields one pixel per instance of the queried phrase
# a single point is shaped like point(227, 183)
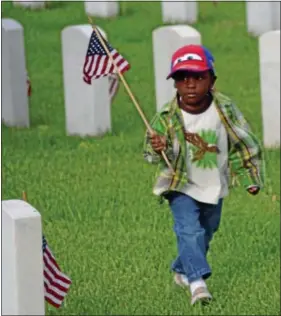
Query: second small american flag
point(98, 64)
point(56, 283)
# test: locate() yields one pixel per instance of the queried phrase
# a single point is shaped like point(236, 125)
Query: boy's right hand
point(158, 143)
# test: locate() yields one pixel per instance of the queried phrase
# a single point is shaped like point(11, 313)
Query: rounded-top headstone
point(261, 17)
point(15, 110)
point(87, 107)
point(22, 259)
point(276, 15)
point(179, 12)
point(30, 4)
point(166, 40)
point(269, 53)
point(101, 9)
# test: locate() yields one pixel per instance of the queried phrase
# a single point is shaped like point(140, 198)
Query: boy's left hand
point(253, 190)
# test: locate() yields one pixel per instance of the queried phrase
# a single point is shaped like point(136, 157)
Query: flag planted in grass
point(98, 64)
point(56, 283)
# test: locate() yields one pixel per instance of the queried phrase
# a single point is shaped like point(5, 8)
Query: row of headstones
point(87, 107)
point(261, 16)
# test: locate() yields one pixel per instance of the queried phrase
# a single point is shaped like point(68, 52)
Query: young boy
point(205, 138)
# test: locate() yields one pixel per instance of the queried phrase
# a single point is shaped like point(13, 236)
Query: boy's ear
point(213, 81)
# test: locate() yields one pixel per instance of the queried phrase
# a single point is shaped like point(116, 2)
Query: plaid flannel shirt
point(245, 156)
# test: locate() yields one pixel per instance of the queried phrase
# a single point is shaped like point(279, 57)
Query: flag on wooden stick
point(98, 64)
point(117, 65)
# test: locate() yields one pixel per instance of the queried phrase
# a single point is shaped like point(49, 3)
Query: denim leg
point(190, 237)
point(177, 265)
point(210, 220)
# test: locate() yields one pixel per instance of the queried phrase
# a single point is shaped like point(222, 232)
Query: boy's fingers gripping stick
point(153, 135)
point(158, 142)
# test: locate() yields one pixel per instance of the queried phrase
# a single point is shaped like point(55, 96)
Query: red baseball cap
point(195, 58)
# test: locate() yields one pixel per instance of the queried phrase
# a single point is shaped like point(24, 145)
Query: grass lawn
point(107, 230)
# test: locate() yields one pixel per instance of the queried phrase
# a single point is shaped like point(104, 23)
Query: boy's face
point(193, 87)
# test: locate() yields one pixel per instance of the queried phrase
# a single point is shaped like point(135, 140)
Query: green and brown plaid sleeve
point(160, 126)
point(246, 155)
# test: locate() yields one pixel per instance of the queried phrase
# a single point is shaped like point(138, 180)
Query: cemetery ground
point(108, 232)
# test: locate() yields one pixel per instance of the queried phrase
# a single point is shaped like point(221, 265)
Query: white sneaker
point(181, 280)
point(201, 294)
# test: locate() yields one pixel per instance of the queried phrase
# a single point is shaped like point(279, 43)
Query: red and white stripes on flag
point(97, 63)
point(113, 85)
point(99, 66)
point(56, 283)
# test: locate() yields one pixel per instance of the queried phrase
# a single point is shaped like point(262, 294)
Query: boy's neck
point(197, 108)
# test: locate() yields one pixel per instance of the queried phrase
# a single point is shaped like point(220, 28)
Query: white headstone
point(87, 107)
point(179, 12)
point(101, 9)
point(276, 15)
point(262, 17)
point(269, 51)
point(15, 110)
point(22, 260)
point(30, 4)
point(166, 40)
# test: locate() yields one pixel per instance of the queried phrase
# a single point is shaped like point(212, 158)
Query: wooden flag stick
point(151, 131)
point(24, 196)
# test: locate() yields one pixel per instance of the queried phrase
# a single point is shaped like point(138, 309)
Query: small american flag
point(56, 283)
point(113, 85)
point(97, 64)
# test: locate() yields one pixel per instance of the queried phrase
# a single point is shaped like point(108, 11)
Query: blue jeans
point(194, 226)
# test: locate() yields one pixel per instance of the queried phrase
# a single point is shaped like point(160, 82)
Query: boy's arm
point(246, 156)
point(159, 125)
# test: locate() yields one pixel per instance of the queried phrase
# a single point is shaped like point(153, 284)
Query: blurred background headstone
point(30, 4)
point(262, 17)
point(269, 52)
point(166, 40)
point(15, 111)
point(103, 9)
point(87, 107)
point(179, 12)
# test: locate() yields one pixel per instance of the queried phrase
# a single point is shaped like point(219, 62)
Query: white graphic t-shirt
point(207, 163)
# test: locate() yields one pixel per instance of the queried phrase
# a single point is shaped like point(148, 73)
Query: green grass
point(105, 227)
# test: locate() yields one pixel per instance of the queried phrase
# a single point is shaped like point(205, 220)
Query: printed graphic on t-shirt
point(203, 148)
